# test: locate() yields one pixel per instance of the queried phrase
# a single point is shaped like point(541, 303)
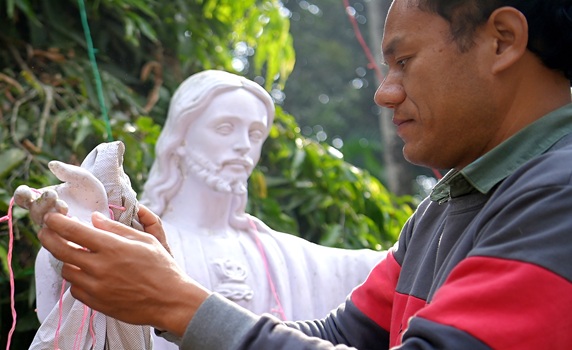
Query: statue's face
point(226, 139)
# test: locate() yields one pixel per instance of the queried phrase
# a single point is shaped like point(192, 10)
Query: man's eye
point(402, 62)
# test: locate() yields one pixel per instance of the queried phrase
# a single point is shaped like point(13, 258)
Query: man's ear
point(509, 29)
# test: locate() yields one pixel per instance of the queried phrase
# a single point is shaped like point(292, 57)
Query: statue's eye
point(256, 135)
point(224, 129)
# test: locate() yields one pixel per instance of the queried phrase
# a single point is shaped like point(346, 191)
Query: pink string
point(60, 315)
point(112, 206)
point(280, 309)
point(11, 271)
point(91, 330)
point(77, 341)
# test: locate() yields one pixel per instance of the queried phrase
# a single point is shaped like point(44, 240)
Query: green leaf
point(85, 128)
point(10, 159)
point(10, 8)
point(332, 235)
point(4, 259)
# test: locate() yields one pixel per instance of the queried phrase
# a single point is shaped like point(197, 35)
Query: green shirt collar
point(500, 162)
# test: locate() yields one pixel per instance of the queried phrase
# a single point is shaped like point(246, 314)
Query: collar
point(503, 160)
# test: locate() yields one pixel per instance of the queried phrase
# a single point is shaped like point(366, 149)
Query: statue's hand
point(81, 190)
point(79, 195)
point(39, 202)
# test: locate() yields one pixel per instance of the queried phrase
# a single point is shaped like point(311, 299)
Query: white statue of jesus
point(210, 143)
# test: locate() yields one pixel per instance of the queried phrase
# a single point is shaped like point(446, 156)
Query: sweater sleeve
point(218, 324)
point(344, 328)
point(221, 324)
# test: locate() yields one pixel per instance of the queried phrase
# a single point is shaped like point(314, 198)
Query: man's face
point(441, 97)
point(226, 139)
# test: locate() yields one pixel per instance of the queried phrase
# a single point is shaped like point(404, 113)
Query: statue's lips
point(244, 163)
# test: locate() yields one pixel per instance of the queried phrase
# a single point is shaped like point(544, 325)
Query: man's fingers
point(152, 225)
point(151, 222)
point(147, 218)
point(103, 223)
point(81, 283)
point(72, 273)
point(77, 232)
point(61, 248)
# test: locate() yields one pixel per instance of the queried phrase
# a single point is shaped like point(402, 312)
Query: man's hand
point(123, 273)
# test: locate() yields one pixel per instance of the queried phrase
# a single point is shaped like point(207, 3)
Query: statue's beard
point(207, 171)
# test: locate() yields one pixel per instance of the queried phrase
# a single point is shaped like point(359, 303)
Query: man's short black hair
point(549, 25)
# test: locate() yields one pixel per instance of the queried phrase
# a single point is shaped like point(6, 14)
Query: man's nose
point(390, 92)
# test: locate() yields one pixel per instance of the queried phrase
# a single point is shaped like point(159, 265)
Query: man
point(482, 87)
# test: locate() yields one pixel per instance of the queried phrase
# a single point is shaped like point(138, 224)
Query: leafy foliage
point(336, 105)
point(306, 187)
point(49, 110)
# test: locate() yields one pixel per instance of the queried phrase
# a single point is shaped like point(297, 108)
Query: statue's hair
point(189, 101)
point(549, 25)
